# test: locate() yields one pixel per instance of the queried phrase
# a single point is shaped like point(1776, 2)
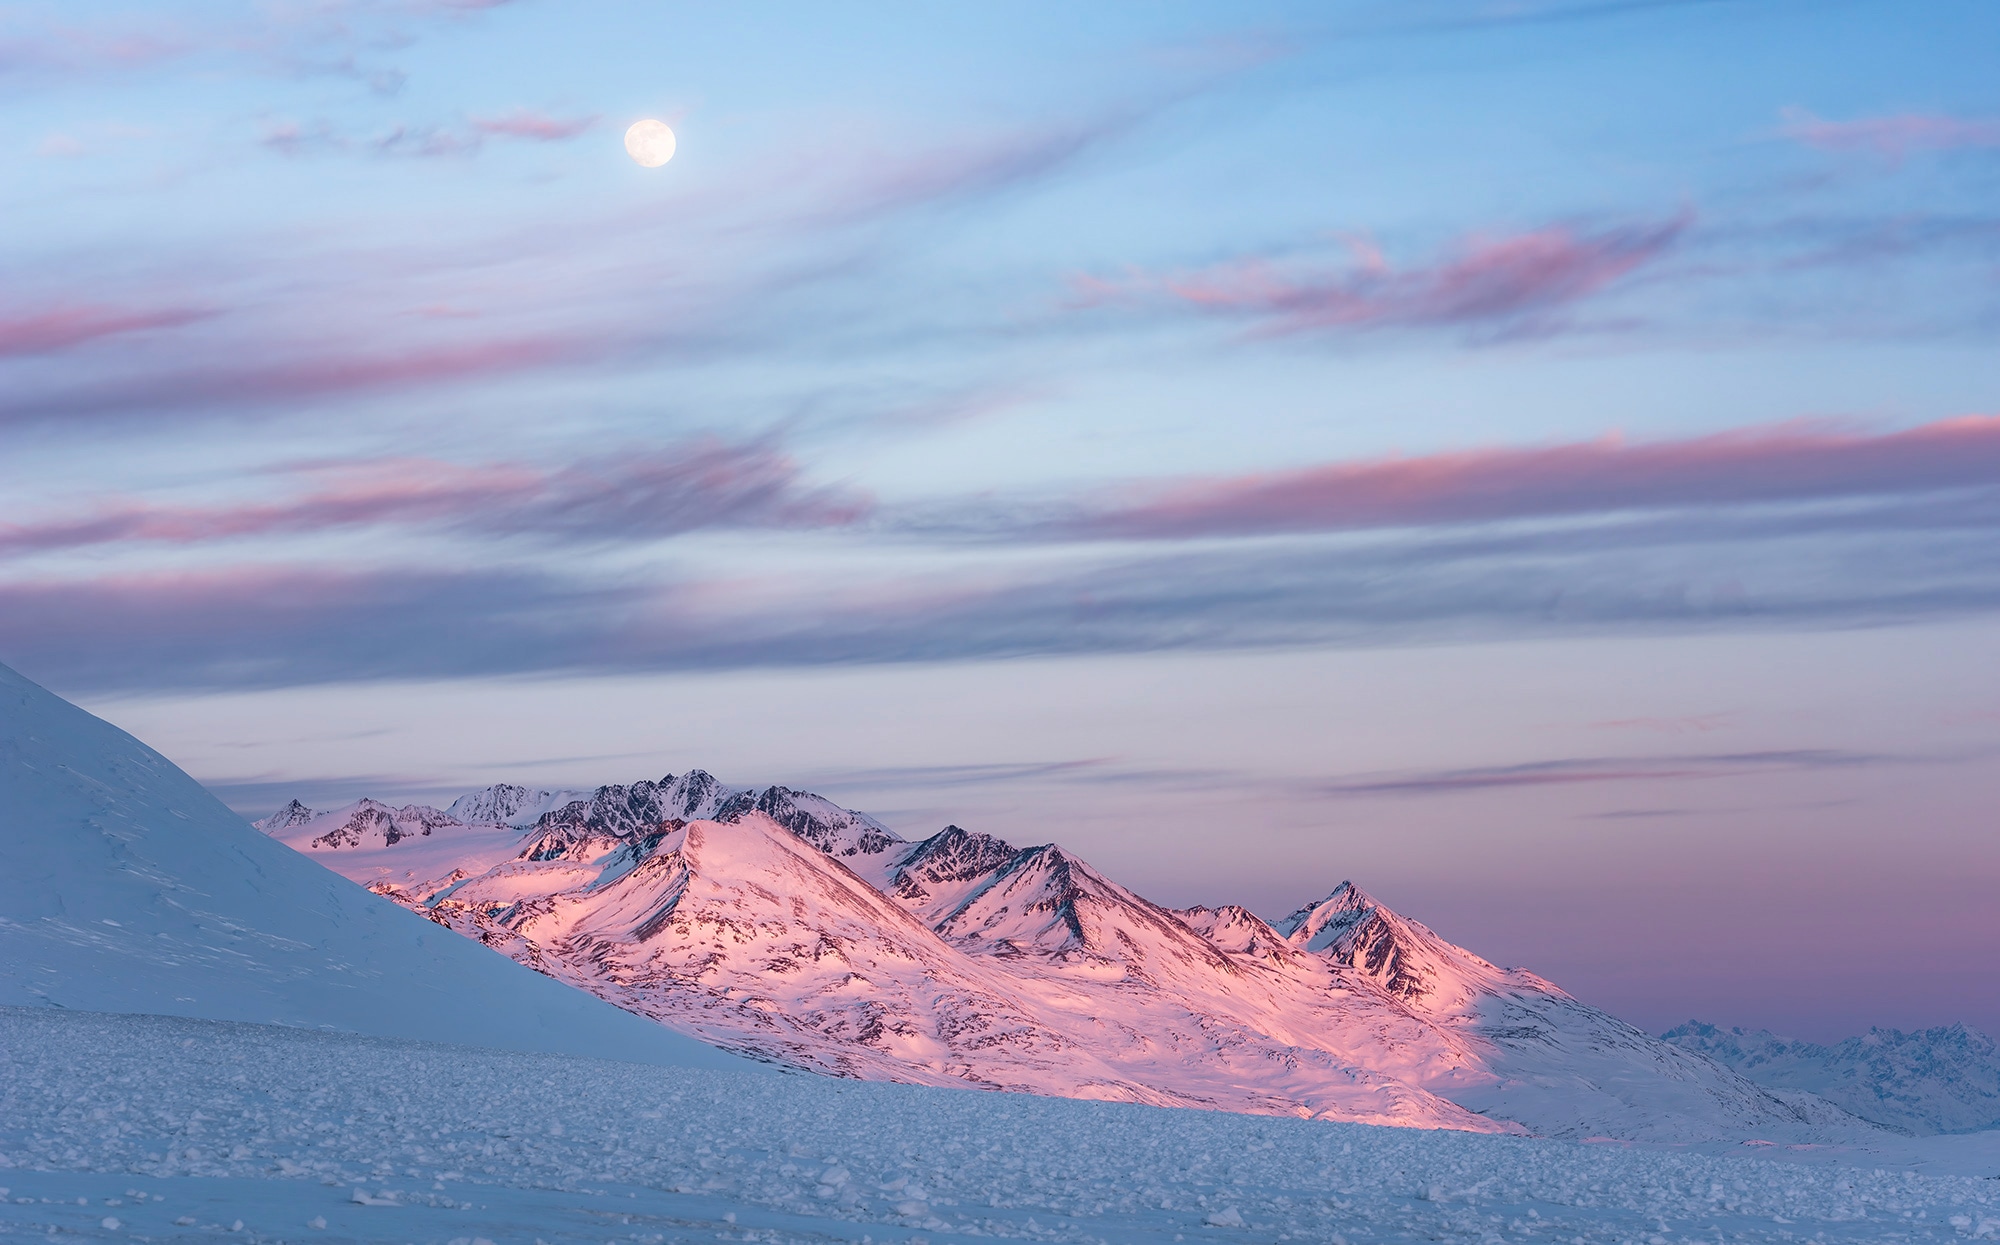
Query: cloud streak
point(632, 497)
point(1513, 282)
point(307, 376)
point(1572, 771)
point(295, 138)
point(65, 326)
point(1786, 463)
point(535, 126)
point(283, 625)
point(1894, 138)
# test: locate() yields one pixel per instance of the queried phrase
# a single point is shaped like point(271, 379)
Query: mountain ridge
point(772, 921)
point(1944, 1079)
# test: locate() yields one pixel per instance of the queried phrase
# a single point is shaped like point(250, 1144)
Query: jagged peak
point(1354, 929)
point(1344, 907)
point(292, 814)
point(697, 794)
point(1235, 929)
point(504, 804)
point(956, 853)
point(819, 821)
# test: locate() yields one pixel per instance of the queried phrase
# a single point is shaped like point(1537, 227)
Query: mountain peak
point(292, 814)
point(1340, 911)
point(819, 821)
point(1353, 928)
point(507, 804)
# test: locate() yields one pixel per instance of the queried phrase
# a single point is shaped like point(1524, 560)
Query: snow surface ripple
point(301, 1135)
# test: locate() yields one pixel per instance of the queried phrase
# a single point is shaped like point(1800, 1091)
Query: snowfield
point(174, 1129)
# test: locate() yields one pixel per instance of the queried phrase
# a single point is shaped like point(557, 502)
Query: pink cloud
point(698, 484)
point(102, 44)
point(294, 138)
point(1485, 279)
point(61, 327)
point(537, 126)
point(1784, 463)
point(1892, 137)
point(308, 377)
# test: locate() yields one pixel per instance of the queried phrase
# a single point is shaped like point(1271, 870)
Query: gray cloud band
point(275, 627)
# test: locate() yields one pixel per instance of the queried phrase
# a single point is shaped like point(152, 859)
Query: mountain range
point(775, 923)
point(1939, 1080)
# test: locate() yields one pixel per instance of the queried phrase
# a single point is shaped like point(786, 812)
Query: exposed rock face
point(771, 920)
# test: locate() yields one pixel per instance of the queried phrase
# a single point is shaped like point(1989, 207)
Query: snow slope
point(1942, 1080)
point(776, 923)
point(178, 1130)
point(127, 887)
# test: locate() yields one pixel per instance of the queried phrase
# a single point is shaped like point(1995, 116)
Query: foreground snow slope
point(128, 887)
point(775, 922)
point(1942, 1080)
point(181, 1130)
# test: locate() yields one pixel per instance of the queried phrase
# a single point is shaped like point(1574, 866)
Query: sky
point(1538, 459)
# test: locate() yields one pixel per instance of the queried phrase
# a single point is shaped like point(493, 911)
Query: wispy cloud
point(220, 382)
point(105, 43)
point(1893, 137)
point(630, 497)
point(536, 126)
point(325, 36)
point(903, 777)
point(1571, 771)
point(1508, 281)
point(291, 137)
point(1785, 463)
point(60, 327)
point(280, 625)
point(977, 166)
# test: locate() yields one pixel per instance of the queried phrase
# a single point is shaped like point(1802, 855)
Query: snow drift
point(129, 888)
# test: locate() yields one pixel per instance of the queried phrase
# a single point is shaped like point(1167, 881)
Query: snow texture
point(131, 1127)
point(1942, 1080)
point(128, 887)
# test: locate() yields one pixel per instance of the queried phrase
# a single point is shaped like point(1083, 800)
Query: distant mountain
point(772, 921)
point(1943, 1080)
point(127, 887)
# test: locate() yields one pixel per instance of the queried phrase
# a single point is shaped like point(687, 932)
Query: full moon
point(651, 143)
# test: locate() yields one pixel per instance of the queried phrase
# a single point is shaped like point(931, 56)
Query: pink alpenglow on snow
point(773, 922)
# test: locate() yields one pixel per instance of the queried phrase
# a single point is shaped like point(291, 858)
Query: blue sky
point(1540, 459)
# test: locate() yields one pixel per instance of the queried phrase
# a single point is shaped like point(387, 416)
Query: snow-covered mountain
point(774, 922)
point(127, 887)
point(1942, 1080)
